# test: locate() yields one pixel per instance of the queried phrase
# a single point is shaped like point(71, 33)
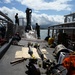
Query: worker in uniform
point(38, 30)
point(16, 19)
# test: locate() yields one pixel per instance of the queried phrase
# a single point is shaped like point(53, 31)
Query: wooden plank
point(19, 54)
point(24, 53)
point(44, 51)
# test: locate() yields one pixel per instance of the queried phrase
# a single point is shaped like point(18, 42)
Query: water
point(44, 33)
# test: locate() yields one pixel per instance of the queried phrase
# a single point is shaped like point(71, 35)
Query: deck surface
point(19, 69)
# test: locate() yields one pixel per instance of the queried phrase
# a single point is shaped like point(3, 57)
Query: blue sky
point(44, 11)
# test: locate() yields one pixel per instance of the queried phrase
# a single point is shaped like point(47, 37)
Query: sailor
point(28, 18)
point(16, 19)
point(46, 39)
point(63, 38)
point(28, 14)
point(38, 30)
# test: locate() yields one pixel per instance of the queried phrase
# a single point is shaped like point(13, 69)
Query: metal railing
point(68, 28)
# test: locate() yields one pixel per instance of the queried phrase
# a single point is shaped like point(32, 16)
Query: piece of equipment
point(32, 66)
point(17, 61)
point(58, 49)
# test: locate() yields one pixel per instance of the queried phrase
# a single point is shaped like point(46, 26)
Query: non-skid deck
point(19, 69)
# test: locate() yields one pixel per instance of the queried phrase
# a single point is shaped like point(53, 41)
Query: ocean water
point(43, 33)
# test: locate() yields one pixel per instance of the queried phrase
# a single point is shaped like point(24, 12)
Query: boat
point(67, 27)
point(13, 58)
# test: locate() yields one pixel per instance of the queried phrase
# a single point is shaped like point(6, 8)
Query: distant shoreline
point(43, 28)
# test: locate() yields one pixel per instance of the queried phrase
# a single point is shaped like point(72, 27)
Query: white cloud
point(36, 11)
point(42, 19)
point(43, 5)
point(11, 12)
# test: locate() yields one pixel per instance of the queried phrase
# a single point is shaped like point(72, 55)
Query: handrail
point(63, 24)
point(5, 20)
point(63, 27)
point(2, 14)
point(67, 28)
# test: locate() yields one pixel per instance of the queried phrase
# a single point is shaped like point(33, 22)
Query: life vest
point(69, 64)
